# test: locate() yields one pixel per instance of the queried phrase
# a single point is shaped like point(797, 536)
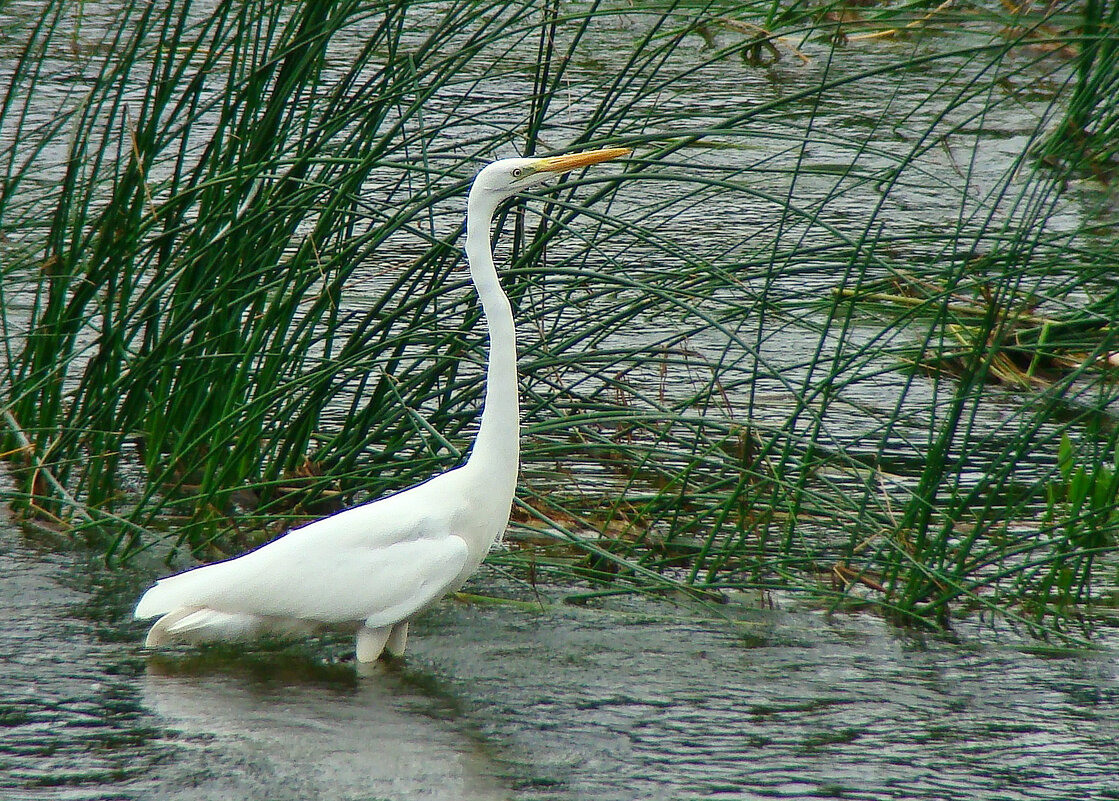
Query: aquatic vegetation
point(1087, 139)
point(828, 332)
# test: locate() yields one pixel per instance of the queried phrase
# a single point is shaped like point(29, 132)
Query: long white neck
point(496, 451)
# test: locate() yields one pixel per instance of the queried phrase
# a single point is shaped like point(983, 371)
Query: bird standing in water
point(374, 567)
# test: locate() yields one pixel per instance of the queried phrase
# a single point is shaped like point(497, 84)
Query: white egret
point(374, 567)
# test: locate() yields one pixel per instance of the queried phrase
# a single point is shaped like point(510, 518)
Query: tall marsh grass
point(844, 324)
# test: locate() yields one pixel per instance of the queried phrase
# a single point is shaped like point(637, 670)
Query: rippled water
point(644, 701)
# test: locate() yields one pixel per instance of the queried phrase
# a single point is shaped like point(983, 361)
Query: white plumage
point(374, 567)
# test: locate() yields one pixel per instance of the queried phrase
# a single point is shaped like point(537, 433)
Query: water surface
point(643, 700)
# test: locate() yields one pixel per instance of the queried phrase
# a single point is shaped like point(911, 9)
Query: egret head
point(507, 177)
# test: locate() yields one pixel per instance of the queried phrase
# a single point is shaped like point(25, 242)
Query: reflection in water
point(281, 740)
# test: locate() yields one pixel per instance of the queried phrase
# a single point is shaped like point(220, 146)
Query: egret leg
point(370, 642)
point(398, 639)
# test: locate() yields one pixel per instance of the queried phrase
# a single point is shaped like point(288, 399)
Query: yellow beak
point(572, 160)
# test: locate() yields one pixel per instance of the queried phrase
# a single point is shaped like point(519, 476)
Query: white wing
point(380, 563)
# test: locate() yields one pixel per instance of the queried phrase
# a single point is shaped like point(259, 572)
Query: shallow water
point(645, 700)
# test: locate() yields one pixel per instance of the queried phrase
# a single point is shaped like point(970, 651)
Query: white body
point(375, 566)
point(371, 567)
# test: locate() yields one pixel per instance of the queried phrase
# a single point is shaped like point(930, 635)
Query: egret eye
point(516, 172)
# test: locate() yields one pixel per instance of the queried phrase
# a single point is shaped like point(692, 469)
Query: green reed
point(822, 334)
